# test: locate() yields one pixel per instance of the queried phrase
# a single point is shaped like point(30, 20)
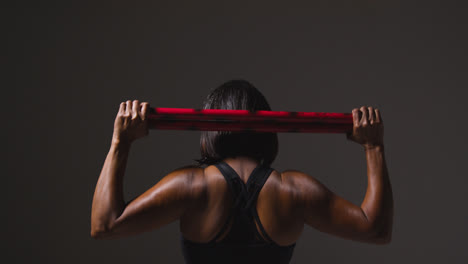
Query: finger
point(135, 106)
point(378, 117)
point(364, 115)
point(122, 108)
point(371, 114)
point(128, 107)
point(144, 110)
point(355, 117)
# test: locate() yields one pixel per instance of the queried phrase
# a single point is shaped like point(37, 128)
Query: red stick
point(243, 120)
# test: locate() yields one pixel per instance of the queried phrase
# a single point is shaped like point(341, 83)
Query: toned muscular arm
point(328, 212)
point(108, 201)
point(165, 202)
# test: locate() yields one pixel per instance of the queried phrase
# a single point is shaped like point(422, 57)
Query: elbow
point(381, 233)
point(98, 233)
point(382, 237)
point(100, 229)
point(94, 235)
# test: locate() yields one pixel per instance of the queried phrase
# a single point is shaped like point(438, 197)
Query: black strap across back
point(244, 205)
point(243, 242)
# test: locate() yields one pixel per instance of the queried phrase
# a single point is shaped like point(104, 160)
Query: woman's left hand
point(131, 122)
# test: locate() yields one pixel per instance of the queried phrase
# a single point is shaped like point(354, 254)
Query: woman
point(233, 207)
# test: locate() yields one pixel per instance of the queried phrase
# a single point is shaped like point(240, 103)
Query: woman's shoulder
point(294, 184)
point(192, 175)
point(296, 177)
point(290, 181)
point(201, 176)
point(289, 177)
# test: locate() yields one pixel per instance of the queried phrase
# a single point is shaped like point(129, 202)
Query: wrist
point(373, 146)
point(120, 143)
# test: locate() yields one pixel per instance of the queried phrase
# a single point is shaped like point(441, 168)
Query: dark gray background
point(71, 65)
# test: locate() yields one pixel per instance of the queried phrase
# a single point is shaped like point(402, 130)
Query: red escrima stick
point(243, 120)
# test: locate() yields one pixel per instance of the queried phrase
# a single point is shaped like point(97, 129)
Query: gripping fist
point(131, 123)
point(367, 127)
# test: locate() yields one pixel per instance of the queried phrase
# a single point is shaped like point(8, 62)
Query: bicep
point(330, 213)
point(162, 204)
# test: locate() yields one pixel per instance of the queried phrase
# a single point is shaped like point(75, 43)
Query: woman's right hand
point(131, 121)
point(367, 127)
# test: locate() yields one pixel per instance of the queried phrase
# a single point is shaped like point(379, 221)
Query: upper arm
point(329, 212)
point(163, 203)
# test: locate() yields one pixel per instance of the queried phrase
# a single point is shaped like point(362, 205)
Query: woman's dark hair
point(218, 145)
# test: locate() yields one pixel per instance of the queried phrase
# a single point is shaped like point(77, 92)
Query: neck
point(242, 165)
point(242, 160)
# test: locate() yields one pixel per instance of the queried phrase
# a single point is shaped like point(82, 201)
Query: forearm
point(108, 201)
point(378, 202)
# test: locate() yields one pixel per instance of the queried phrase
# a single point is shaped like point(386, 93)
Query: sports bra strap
point(244, 195)
point(255, 185)
point(237, 190)
point(235, 184)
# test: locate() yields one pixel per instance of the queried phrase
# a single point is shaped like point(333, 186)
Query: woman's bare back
point(275, 206)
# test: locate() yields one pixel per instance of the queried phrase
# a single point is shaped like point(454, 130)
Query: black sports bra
point(244, 243)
